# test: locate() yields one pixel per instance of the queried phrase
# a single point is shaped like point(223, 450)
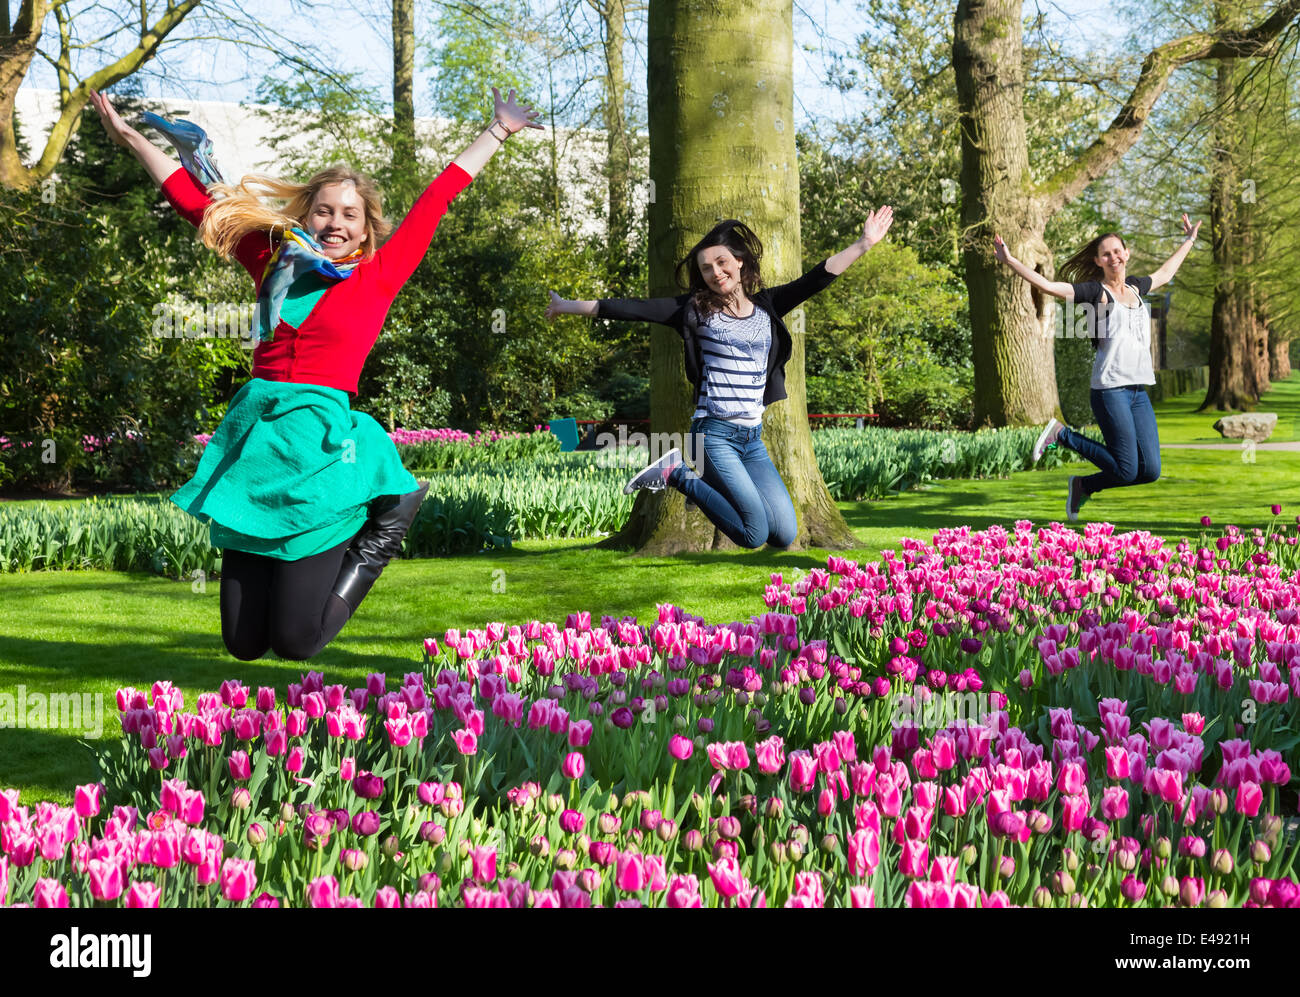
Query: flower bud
point(566, 858)
point(693, 840)
point(1221, 862)
point(554, 803)
point(1169, 886)
point(241, 798)
point(1219, 801)
point(680, 722)
point(666, 830)
point(800, 834)
point(1042, 897)
point(1270, 826)
point(841, 707)
point(793, 850)
point(1259, 851)
point(256, 834)
point(540, 846)
point(432, 833)
point(1126, 859)
point(391, 846)
point(1216, 898)
point(970, 855)
point(1070, 859)
point(354, 860)
point(1007, 867)
point(1062, 882)
point(774, 807)
point(1078, 900)
point(1164, 848)
point(777, 851)
point(829, 842)
point(287, 813)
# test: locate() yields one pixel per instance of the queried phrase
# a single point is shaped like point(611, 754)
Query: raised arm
point(1056, 288)
point(157, 163)
point(1170, 267)
point(398, 257)
point(877, 224)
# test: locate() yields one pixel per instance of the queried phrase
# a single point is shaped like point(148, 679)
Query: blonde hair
point(239, 210)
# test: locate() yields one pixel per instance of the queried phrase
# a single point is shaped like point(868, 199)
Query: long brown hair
point(1082, 266)
point(743, 244)
point(240, 210)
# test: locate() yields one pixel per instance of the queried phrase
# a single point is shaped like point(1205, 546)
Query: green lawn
point(93, 631)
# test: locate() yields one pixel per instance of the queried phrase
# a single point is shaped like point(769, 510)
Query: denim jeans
point(740, 491)
point(1131, 453)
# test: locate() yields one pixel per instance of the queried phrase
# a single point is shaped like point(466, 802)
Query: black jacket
point(680, 314)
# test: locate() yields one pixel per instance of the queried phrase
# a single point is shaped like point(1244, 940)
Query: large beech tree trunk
point(722, 136)
point(1239, 354)
point(1011, 326)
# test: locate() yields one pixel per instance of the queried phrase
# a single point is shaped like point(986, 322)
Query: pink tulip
point(49, 893)
point(727, 877)
point(238, 879)
point(914, 860)
point(684, 892)
point(680, 747)
point(574, 765)
point(466, 741)
point(483, 863)
point(862, 896)
point(863, 852)
point(323, 892)
point(803, 771)
point(105, 879)
point(241, 770)
point(1249, 797)
point(86, 802)
point(142, 895)
point(630, 872)
point(1114, 803)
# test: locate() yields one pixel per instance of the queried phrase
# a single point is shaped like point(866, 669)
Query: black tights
point(285, 606)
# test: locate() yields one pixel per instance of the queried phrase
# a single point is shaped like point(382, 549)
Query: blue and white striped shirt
point(734, 352)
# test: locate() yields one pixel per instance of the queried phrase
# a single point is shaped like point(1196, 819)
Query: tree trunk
point(618, 151)
point(721, 102)
point(1239, 355)
point(1011, 323)
point(1279, 356)
point(403, 85)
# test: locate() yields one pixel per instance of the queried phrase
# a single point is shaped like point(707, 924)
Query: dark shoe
point(377, 544)
point(1074, 498)
point(655, 477)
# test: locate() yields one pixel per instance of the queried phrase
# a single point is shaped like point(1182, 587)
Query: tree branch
point(1070, 181)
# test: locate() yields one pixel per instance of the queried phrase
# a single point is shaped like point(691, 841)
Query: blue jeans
point(1131, 453)
point(740, 491)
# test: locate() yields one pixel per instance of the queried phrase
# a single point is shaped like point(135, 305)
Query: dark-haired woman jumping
point(1120, 326)
point(736, 350)
point(307, 498)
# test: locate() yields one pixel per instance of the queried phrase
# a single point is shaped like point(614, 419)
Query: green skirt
point(291, 471)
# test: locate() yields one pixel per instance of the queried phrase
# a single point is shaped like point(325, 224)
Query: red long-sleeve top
point(331, 345)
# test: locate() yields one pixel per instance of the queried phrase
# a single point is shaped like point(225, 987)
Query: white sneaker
point(655, 477)
point(1047, 437)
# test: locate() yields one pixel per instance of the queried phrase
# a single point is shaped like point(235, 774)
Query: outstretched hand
point(118, 130)
point(1000, 250)
point(877, 225)
point(1190, 230)
point(553, 308)
point(514, 116)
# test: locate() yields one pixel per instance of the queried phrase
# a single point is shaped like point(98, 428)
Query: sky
point(356, 33)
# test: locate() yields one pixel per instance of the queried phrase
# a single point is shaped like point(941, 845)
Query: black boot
point(377, 544)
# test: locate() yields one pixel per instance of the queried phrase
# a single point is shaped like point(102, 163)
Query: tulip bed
point(1007, 717)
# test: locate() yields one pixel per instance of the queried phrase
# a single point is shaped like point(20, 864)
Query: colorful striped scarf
point(297, 254)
